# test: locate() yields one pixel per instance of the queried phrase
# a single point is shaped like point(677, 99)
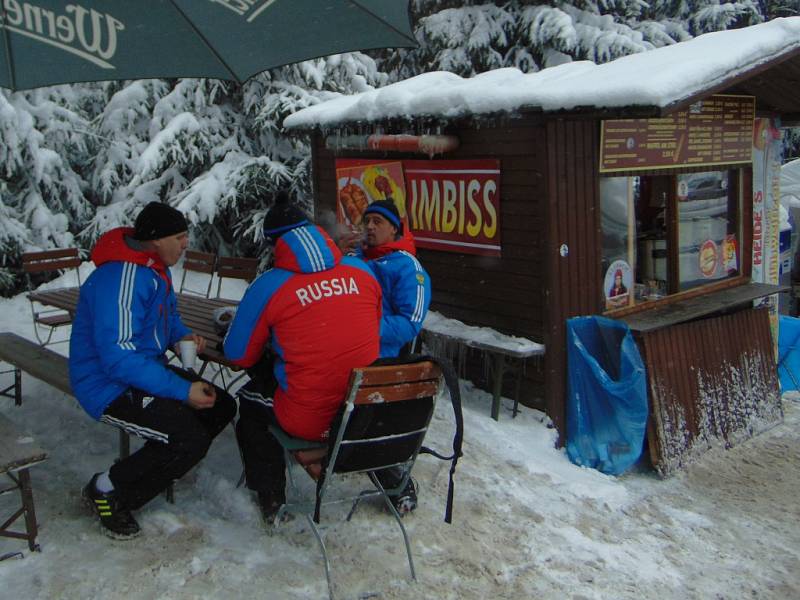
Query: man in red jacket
point(318, 314)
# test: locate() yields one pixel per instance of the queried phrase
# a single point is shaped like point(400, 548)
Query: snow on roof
point(658, 77)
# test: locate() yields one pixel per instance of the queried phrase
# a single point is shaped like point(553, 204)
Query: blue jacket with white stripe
point(126, 320)
point(406, 289)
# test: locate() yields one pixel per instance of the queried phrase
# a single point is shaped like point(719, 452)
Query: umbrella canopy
point(46, 42)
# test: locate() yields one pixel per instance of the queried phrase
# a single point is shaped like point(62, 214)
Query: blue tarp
point(607, 395)
point(789, 353)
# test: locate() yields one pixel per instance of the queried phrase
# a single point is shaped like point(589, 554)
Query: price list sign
point(714, 131)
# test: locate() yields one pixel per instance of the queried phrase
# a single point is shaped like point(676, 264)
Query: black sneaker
point(270, 502)
point(405, 501)
point(117, 521)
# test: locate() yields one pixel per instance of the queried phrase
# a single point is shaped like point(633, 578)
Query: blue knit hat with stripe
point(282, 217)
point(388, 210)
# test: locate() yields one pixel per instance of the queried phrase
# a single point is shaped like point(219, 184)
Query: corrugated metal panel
point(574, 281)
point(711, 383)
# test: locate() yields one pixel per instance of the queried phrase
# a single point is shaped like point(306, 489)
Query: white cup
point(188, 351)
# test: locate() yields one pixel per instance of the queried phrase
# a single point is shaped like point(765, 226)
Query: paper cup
point(188, 350)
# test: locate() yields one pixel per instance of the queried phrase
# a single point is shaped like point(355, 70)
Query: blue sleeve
point(249, 332)
point(406, 299)
point(177, 330)
point(128, 293)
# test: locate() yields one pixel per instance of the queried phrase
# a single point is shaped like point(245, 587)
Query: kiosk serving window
point(664, 234)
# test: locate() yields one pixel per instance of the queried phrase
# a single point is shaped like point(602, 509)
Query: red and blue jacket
point(320, 314)
point(126, 320)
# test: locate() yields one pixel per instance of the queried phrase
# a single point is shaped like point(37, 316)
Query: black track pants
point(177, 438)
point(264, 464)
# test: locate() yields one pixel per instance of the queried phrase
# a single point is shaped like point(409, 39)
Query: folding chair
point(50, 319)
point(198, 262)
point(382, 424)
point(231, 267)
point(235, 268)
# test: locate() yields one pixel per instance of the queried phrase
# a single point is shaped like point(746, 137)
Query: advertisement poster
point(767, 158)
point(360, 183)
point(618, 283)
point(449, 205)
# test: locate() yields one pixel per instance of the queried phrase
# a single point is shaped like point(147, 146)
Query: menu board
point(714, 131)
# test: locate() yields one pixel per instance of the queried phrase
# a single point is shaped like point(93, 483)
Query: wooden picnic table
point(196, 312)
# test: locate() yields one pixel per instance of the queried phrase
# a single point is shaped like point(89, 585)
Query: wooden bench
point(508, 353)
point(50, 367)
point(17, 454)
point(45, 365)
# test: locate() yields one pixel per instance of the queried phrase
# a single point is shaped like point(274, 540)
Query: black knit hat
point(282, 217)
point(158, 220)
point(388, 210)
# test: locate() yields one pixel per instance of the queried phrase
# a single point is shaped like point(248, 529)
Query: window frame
point(739, 175)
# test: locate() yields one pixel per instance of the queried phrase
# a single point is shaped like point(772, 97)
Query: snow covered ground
point(527, 523)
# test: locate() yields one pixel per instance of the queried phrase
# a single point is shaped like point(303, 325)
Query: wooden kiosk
point(642, 189)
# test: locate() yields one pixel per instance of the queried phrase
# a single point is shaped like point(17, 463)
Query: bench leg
point(26, 492)
point(124, 444)
point(497, 388)
point(516, 391)
point(18, 387)
point(22, 482)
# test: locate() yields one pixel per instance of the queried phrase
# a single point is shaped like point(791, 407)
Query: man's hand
point(202, 395)
point(348, 242)
point(197, 339)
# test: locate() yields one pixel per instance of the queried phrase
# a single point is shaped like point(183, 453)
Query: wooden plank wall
point(503, 293)
point(574, 281)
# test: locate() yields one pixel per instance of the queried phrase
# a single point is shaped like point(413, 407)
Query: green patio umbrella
point(46, 42)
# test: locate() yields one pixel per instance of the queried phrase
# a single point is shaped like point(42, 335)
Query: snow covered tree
point(44, 154)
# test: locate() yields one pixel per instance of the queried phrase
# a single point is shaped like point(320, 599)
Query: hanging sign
point(715, 131)
point(449, 205)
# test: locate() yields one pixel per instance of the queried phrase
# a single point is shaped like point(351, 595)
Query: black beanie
point(388, 210)
point(282, 217)
point(158, 220)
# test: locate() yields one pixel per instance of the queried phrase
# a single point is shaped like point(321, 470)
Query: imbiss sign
point(451, 205)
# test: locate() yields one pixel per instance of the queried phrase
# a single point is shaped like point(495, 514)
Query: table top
point(197, 313)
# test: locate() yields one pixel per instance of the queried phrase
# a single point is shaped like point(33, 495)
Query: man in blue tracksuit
point(391, 254)
point(125, 321)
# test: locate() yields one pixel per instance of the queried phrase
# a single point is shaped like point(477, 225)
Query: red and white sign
point(454, 205)
point(450, 205)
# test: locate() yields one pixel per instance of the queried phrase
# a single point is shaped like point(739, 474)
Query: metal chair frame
point(395, 383)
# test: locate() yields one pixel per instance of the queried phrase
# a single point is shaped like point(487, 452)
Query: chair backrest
point(52, 260)
point(235, 268)
point(199, 262)
point(385, 416)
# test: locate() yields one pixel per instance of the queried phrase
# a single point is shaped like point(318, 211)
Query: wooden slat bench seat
point(17, 454)
point(50, 367)
point(508, 353)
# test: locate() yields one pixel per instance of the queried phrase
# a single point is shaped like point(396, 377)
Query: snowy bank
point(527, 523)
